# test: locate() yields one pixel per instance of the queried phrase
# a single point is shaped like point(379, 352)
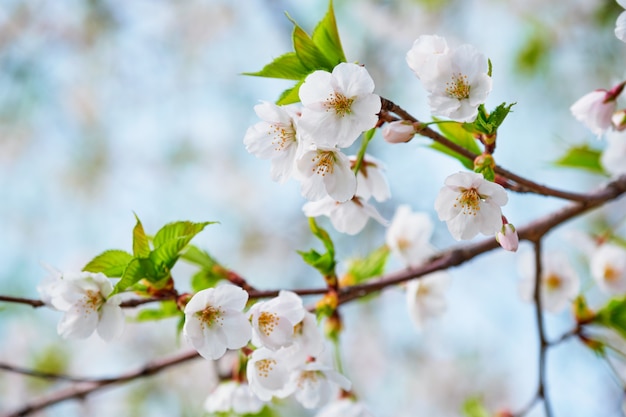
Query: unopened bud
point(399, 131)
point(618, 120)
point(507, 237)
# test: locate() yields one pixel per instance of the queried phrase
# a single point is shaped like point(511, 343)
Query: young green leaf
point(111, 263)
point(290, 95)
point(166, 310)
point(309, 54)
point(326, 37)
point(581, 157)
point(176, 230)
point(171, 240)
point(613, 315)
point(132, 274)
point(141, 246)
point(373, 265)
point(473, 407)
point(455, 132)
point(287, 66)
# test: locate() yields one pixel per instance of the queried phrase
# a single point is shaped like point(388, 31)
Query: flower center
point(611, 274)
point(211, 316)
point(264, 367)
point(553, 282)
point(93, 300)
point(324, 163)
point(341, 104)
point(267, 322)
point(470, 201)
point(458, 87)
point(308, 376)
point(282, 136)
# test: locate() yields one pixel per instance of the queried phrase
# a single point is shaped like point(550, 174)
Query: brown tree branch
point(83, 389)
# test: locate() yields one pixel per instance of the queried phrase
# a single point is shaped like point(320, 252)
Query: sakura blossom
point(459, 84)
point(273, 321)
point(426, 297)
point(423, 56)
point(371, 180)
point(398, 131)
point(613, 158)
point(559, 281)
point(595, 110)
point(269, 372)
point(345, 407)
point(507, 237)
point(316, 382)
point(408, 236)
point(233, 397)
point(325, 171)
point(608, 268)
point(308, 337)
point(274, 138)
point(469, 205)
point(214, 320)
point(349, 217)
point(82, 296)
point(338, 106)
point(620, 24)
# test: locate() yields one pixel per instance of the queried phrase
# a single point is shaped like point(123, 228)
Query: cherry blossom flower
point(371, 180)
point(325, 171)
point(274, 138)
point(82, 296)
point(308, 336)
point(469, 205)
point(316, 382)
point(459, 85)
point(595, 110)
point(338, 106)
point(423, 56)
point(408, 236)
point(399, 131)
point(608, 268)
point(559, 281)
point(618, 120)
point(273, 321)
point(349, 217)
point(345, 407)
point(620, 24)
point(426, 297)
point(233, 397)
point(214, 320)
point(269, 372)
point(507, 237)
point(613, 158)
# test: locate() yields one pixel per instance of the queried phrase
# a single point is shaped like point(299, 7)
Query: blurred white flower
point(408, 236)
point(349, 217)
point(308, 336)
point(273, 321)
point(613, 158)
point(371, 180)
point(269, 371)
point(469, 205)
point(423, 56)
point(595, 110)
point(82, 296)
point(214, 320)
point(608, 268)
point(233, 397)
point(398, 131)
point(325, 171)
point(274, 138)
point(338, 106)
point(507, 237)
point(620, 24)
point(345, 407)
point(459, 85)
point(559, 281)
point(316, 382)
point(426, 297)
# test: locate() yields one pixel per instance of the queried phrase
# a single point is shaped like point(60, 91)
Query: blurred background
point(112, 107)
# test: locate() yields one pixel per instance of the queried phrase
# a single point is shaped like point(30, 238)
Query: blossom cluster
point(306, 142)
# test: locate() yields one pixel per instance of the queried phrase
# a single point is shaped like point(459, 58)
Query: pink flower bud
point(595, 110)
point(507, 237)
point(399, 131)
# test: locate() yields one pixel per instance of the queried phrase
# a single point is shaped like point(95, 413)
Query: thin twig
point(82, 389)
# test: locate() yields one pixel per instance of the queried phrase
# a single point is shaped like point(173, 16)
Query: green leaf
point(613, 315)
point(326, 37)
point(198, 257)
point(325, 263)
point(362, 269)
point(473, 407)
point(455, 132)
point(132, 274)
point(500, 113)
point(203, 279)
point(111, 263)
point(171, 240)
point(290, 96)
point(309, 54)
point(167, 309)
point(287, 66)
point(141, 246)
point(581, 157)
